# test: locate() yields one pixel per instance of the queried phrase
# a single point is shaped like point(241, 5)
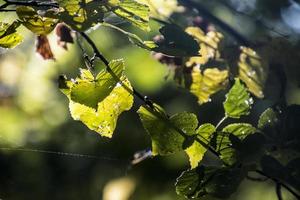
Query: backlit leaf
point(90, 91)
point(166, 133)
point(81, 15)
point(207, 83)
point(162, 8)
point(9, 37)
point(253, 71)
point(131, 10)
point(34, 22)
point(196, 151)
point(117, 99)
point(238, 101)
point(209, 45)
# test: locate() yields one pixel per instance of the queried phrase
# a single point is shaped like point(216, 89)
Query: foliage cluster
point(200, 64)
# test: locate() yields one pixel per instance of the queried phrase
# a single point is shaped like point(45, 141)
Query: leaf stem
point(221, 121)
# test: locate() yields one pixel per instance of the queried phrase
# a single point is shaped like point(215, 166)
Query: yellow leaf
point(211, 81)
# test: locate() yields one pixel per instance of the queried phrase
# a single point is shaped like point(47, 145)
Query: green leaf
point(253, 70)
point(81, 15)
point(34, 22)
point(196, 151)
point(167, 133)
point(211, 81)
point(209, 181)
point(238, 101)
point(224, 144)
point(88, 90)
point(117, 99)
point(176, 42)
point(241, 130)
point(267, 119)
point(131, 10)
point(9, 37)
point(186, 184)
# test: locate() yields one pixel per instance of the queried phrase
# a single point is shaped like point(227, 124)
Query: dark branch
point(279, 182)
point(205, 13)
point(28, 3)
point(278, 191)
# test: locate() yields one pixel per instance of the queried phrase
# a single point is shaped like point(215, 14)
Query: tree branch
point(149, 104)
point(280, 183)
point(278, 191)
point(204, 12)
point(28, 3)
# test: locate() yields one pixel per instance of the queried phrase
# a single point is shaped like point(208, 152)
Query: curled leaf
point(64, 35)
point(43, 47)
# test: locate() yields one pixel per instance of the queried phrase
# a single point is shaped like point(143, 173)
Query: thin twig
point(221, 121)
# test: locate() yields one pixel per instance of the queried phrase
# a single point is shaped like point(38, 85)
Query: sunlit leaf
point(90, 91)
point(116, 100)
point(34, 22)
point(9, 37)
point(209, 181)
point(196, 151)
point(162, 8)
point(81, 15)
point(176, 42)
point(209, 45)
point(207, 83)
point(238, 101)
point(253, 70)
point(166, 133)
point(131, 10)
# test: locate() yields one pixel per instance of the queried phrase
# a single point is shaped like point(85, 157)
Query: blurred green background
point(34, 116)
